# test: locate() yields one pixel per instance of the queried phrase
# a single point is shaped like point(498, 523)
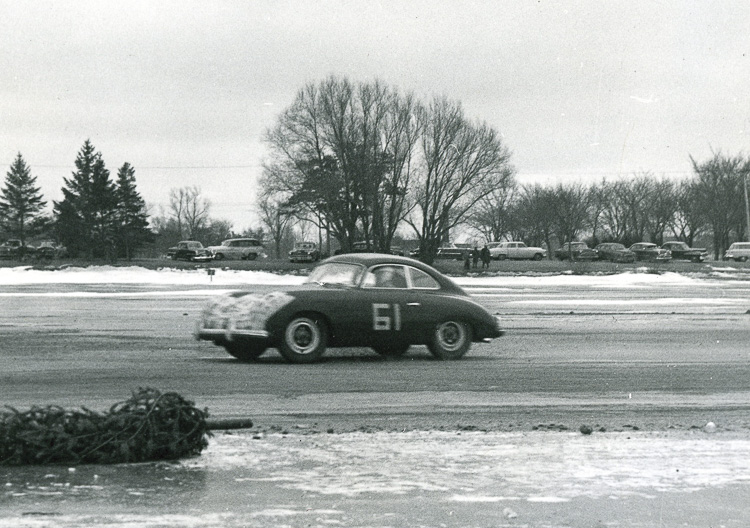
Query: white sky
point(185, 90)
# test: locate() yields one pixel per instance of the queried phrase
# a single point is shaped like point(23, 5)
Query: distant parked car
point(515, 250)
point(13, 249)
point(681, 251)
point(452, 252)
point(614, 252)
point(739, 252)
point(48, 250)
point(238, 248)
point(190, 250)
point(650, 252)
point(576, 251)
point(304, 252)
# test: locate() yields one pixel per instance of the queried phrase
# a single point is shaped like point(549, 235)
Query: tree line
point(98, 217)
point(104, 218)
point(365, 162)
point(362, 161)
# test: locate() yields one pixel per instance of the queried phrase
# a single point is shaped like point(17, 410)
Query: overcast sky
point(184, 91)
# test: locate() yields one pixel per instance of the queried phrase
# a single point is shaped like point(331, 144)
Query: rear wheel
point(450, 340)
point(305, 339)
point(244, 351)
point(538, 256)
point(395, 350)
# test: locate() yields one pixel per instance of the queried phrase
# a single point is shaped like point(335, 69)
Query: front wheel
point(502, 257)
point(304, 341)
point(219, 256)
point(251, 256)
point(244, 351)
point(450, 340)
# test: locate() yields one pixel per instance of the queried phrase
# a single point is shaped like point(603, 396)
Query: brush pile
point(148, 426)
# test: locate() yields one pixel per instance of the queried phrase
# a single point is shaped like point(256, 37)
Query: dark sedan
point(681, 251)
point(576, 251)
point(189, 250)
point(614, 252)
point(650, 252)
point(384, 302)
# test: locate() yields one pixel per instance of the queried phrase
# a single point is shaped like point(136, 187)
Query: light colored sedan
point(515, 250)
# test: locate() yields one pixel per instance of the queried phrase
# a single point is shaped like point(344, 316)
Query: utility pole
point(747, 208)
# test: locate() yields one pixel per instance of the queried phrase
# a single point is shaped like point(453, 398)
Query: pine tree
point(132, 220)
point(21, 201)
point(86, 217)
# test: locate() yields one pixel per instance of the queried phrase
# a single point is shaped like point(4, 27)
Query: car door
point(387, 306)
point(514, 250)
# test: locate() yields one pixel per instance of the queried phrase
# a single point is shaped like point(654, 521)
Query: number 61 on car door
point(386, 316)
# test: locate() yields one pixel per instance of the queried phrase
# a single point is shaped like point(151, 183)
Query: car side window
point(386, 277)
point(420, 279)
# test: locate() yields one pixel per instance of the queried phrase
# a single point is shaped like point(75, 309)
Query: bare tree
point(461, 164)
point(189, 210)
point(492, 216)
point(689, 220)
point(277, 217)
point(660, 208)
point(719, 191)
point(343, 153)
point(570, 211)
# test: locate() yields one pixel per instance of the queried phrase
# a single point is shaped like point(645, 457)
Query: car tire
point(502, 257)
point(219, 256)
point(244, 351)
point(450, 340)
point(393, 350)
point(251, 256)
point(304, 339)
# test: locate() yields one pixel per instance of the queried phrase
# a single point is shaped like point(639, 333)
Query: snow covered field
point(641, 277)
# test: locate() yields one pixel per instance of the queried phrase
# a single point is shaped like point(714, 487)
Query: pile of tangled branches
point(148, 426)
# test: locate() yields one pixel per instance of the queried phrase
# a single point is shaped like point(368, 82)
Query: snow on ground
point(26, 275)
point(487, 466)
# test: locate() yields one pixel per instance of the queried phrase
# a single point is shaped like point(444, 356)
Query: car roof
point(371, 259)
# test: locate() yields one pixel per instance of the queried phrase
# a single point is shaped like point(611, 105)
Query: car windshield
point(340, 273)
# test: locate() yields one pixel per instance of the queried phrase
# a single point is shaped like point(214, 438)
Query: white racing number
point(386, 316)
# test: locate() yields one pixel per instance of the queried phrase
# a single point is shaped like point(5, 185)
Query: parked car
point(384, 302)
point(650, 252)
point(304, 252)
point(515, 250)
point(452, 252)
point(681, 251)
point(576, 251)
point(14, 249)
point(739, 252)
point(48, 250)
point(190, 250)
point(238, 248)
point(614, 252)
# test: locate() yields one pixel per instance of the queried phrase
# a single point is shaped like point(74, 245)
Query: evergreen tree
point(86, 217)
point(132, 220)
point(20, 200)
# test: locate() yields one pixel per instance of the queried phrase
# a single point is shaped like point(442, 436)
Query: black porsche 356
point(372, 300)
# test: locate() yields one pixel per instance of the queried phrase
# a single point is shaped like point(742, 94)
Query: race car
point(384, 302)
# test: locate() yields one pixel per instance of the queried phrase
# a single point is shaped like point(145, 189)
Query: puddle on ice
point(320, 479)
